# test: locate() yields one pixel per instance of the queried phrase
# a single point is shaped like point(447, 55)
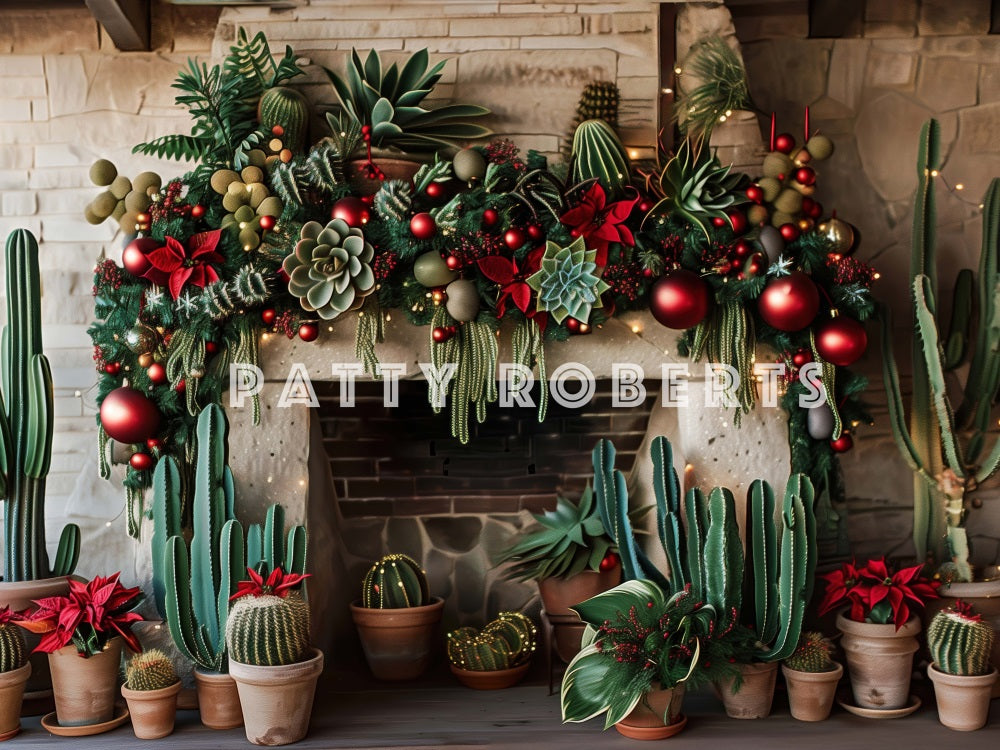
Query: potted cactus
point(270, 657)
point(396, 618)
point(26, 412)
point(811, 677)
point(496, 657)
point(150, 689)
point(960, 643)
point(14, 672)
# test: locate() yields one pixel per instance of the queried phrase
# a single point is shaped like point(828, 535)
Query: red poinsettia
point(278, 583)
point(505, 271)
point(600, 223)
point(8, 615)
point(175, 265)
point(876, 594)
point(92, 614)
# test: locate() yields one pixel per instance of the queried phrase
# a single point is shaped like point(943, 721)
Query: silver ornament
point(773, 243)
point(469, 165)
point(463, 300)
point(819, 422)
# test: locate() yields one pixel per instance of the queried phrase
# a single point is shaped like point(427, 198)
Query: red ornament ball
point(755, 194)
point(738, 220)
point(266, 223)
point(352, 210)
point(842, 444)
point(535, 232)
point(741, 249)
point(141, 461)
point(181, 385)
point(718, 222)
point(805, 176)
point(128, 416)
point(308, 332)
point(434, 190)
point(514, 238)
point(784, 143)
point(789, 303)
point(278, 131)
point(157, 373)
point(490, 217)
point(268, 315)
point(802, 357)
point(610, 562)
point(573, 325)
point(680, 300)
point(113, 368)
point(134, 255)
point(815, 210)
point(423, 226)
point(211, 347)
point(154, 443)
point(645, 206)
point(453, 263)
point(789, 232)
point(197, 211)
point(443, 333)
point(841, 340)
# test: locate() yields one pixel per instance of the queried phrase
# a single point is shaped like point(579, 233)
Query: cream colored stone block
point(22, 65)
point(15, 110)
point(18, 203)
point(39, 109)
point(557, 25)
point(59, 177)
point(13, 179)
point(22, 87)
point(67, 84)
point(453, 45)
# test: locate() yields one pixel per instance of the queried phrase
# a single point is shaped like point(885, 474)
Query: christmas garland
point(268, 234)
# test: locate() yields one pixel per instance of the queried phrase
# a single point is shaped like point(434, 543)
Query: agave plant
point(388, 100)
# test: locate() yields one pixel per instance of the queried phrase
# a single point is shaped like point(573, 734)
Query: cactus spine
point(960, 643)
point(13, 651)
point(945, 448)
point(150, 670)
point(506, 642)
point(812, 654)
point(394, 582)
point(599, 153)
point(268, 630)
point(768, 586)
point(26, 425)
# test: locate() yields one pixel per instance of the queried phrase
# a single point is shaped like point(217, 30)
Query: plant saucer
point(846, 701)
point(50, 724)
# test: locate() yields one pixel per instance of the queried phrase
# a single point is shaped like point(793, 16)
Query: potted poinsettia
point(84, 634)
point(879, 627)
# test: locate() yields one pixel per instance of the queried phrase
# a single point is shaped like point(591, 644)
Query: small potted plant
point(879, 629)
point(150, 689)
point(84, 634)
point(811, 677)
point(496, 657)
point(960, 643)
point(14, 672)
point(270, 658)
point(396, 618)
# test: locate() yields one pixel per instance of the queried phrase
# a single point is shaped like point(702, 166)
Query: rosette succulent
point(330, 269)
point(569, 282)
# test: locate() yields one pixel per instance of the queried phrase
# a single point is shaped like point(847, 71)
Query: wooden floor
point(353, 712)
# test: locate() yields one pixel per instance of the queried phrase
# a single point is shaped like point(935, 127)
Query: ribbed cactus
point(960, 642)
point(394, 582)
point(599, 101)
point(26, 425)
point(506, 642)
point(945, 448)
point(811, 655)
point(13, 651)
point(268, 630)
point(767, 587)
point(150, 670)
point(598, 152)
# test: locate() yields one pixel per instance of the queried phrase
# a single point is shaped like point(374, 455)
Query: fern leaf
point(180, 147)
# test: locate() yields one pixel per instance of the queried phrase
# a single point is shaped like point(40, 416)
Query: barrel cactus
point(330, 269)
point(13, 652)
point(599, 153)
point(268, 623)
point(150, 670)
point(505, 643)
point(960, 641)
point(599, 101)
point(811, 655)
point(287, 109)
point(394, 582)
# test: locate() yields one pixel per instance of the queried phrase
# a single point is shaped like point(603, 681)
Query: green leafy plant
point(812, 654)
point(722, 87)
point(960, 642)
point(507, 642)
point(150, 670)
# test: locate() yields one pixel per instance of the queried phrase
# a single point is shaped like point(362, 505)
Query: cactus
point(767, 587)
point(13, 651)
point(268, 630)
point(150, 670)
point(599, 153)
point(944, 447)
point(26, 425)
point(960, 642)
point(598, 101)
point(288, 109)
point(394, 582)
point(812, 654)
point(506, 642)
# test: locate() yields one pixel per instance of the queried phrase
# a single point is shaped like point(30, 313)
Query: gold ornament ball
point(141, 339)
point(145, 360)
point(838, 233)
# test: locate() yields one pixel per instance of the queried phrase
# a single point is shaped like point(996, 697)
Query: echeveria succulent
point(569, 282)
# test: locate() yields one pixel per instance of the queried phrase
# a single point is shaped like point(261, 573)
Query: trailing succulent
point(960, 642)
point(150, 670)
point(394, 582)
point(268, 623)
point(505, 643)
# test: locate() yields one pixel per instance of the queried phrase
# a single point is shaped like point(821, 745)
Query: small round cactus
point(394, 582)
point(150, 670)
point(811, 655)
point(268, 630)
point(960, 641)
point(13, 652)
point(599, 101)
point(506, 642)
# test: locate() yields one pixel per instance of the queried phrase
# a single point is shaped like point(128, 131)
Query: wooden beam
point(668, 80)
point(126, 21)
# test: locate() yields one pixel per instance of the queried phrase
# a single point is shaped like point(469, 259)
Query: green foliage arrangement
point(721, 88)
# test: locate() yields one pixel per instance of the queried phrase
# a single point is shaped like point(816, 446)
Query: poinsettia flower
point(278, 583)
point(598, 223)
point(838, 584)
point(505, 271)
point(175, 265)
point(896, 588)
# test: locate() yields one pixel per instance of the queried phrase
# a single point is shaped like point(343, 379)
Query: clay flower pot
point(19, 595)
point(277, 701)
point(85, 689)
point(880, 661)
point(397, 642)
point(753, 699)
point(495, 680)
point(11, 693)
point(811, 694)
point(152, 711)
point(559, 594)
point(393, 167)
point(218, 700)
point(646, 720)
point(963, 701)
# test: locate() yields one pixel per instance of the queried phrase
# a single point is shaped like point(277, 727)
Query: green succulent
point(330, 269)
point(388, 100)
point(569, 282)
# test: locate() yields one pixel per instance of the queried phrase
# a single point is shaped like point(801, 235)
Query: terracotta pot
point(495, 680)
point(397, 642)
point(19, 595)
point(567, 633)
point(85, 689)
point(277, 701)
point(218, 700)
point(753, 699)
point(152, 711)
point(880, 661)
point(393, 167)
point(11, 693)
point(646, 720)
point(559, 594)
point(963, 701)
point(811, 694)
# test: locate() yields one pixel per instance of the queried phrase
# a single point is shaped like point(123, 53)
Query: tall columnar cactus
point(506, 642)
point(26, 425)
point(767, 587)
point(394, 582)
point(945, 448)
point(960, 642)
point(13, 651)
point(150, 670)
point(268, 630)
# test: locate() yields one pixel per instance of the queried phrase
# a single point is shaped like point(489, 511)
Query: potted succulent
point(811, 677)
point(396, 618)
point(879, 630)
point(84, 634)
point(960, 643)
point(270, 658)
point(572, 559)
point(150, 689)
point(14, 672)
point(496, 657)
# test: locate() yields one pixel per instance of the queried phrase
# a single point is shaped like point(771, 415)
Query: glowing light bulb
point(959, 186)
point(636, 328)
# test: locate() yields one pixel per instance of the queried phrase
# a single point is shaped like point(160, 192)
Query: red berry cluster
point(171, 205)
point(372, 170)
point(624, 279)
point(505, 151)
point(287, 324)
point(479, 244)
point(851, 271)
point(108, 273)
point(385, 263)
